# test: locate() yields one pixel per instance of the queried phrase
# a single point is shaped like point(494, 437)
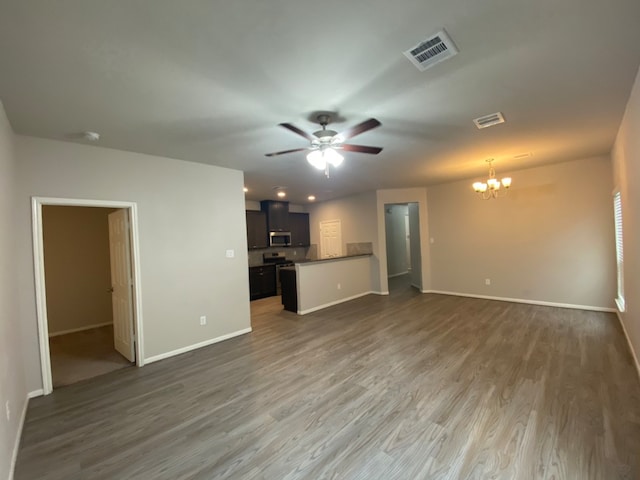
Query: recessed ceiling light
point(281, 194)
point(245, 189)
point(311, 198)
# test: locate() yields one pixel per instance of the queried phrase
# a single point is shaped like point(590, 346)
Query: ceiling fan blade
point(285, 151)
point(362, 149)
point(360, 128)
point(295, 129)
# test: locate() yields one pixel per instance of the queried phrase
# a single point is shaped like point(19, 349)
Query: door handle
point(110, 290)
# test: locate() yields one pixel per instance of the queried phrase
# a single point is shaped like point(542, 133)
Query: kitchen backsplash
point(359, 248)
point(292, 253)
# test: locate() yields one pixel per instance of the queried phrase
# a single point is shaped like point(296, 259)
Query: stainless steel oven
point(279, 259)
point(278, 267)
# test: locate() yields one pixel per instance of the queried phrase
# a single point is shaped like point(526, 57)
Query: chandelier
point(491, 188)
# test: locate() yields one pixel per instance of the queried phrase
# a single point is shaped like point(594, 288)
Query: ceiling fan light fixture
point(316, 159)
point(332, 157)
point(320, 158)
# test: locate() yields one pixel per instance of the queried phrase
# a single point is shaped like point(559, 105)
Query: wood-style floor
point(82, 355)
point(409, 386)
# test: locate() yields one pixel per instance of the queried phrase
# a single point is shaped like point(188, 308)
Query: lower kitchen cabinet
point(289, 290)
point(262, 281)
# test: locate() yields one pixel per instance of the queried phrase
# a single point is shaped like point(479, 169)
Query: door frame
point(40, 284)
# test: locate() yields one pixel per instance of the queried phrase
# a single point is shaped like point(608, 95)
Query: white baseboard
point(179, 351)
point(335, 302)
point(16, 445)
point(530, 302)
point(36, 393)
point(380, 292)
point(81, 329)
point(633, 352)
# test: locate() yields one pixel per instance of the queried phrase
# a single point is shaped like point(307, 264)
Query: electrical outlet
point(7, 409)
point(339, 286)
point(487, 281)
point(432, 240)
point(230, 253)
point(203, 320)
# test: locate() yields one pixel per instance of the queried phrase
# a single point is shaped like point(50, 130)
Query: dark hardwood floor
point(407, 386)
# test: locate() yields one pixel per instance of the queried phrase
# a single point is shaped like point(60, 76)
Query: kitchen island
point(312, 285)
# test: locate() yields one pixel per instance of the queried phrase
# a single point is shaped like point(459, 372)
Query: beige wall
point(77, 269)
point(626, 167)
point(13, 390)
point(357, 215)
point(189, 214)
point(325, 283)
point(551, 239)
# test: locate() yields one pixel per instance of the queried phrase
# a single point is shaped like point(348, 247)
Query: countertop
point(343, 257)
point(307, 261)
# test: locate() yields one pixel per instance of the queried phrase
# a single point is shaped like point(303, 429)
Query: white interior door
point(330, 239)
point(121, 283)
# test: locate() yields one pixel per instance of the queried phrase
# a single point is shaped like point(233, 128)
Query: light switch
point(231, 253)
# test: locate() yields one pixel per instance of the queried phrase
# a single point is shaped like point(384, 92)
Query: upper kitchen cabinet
point(299, 224)
point(257, 236)
point(277, 215)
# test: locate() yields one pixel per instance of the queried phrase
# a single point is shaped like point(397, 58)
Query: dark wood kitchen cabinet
point(277, 215)
point(289, 289)
point(262, 281)
point(299, 224)
point(257, 235)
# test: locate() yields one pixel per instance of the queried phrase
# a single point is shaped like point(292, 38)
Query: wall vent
point(431, 51)
point(489, 120)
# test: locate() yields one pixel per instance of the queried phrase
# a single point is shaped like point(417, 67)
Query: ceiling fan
point(325, 143)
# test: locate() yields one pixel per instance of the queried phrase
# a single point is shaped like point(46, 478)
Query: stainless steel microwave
point(280, 239)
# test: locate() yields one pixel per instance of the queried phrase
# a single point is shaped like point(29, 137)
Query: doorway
point(87, 288)
point(402, 235)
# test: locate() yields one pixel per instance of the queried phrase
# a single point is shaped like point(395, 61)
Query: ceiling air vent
point(489, 120)
point(431, 51)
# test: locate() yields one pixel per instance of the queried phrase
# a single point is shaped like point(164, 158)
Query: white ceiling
point(208, 81)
